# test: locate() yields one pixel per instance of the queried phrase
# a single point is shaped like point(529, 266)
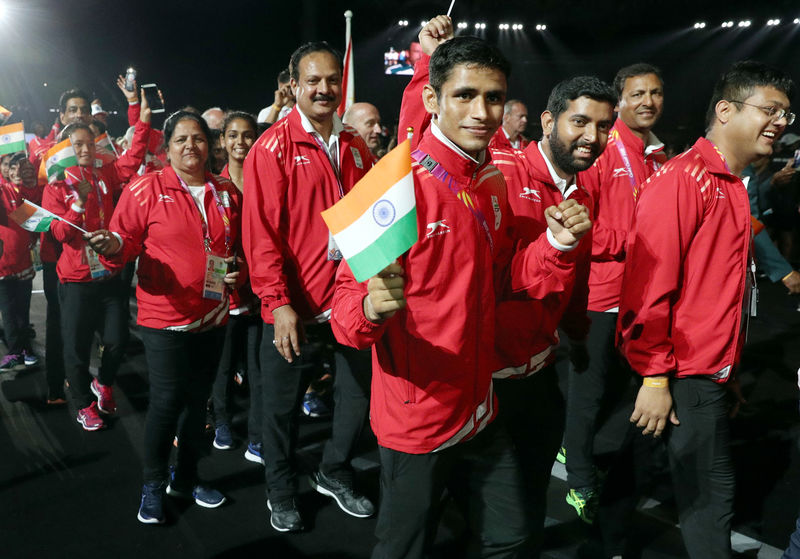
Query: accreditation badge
point(214, 284)
point(333, 251)
point(96, 269)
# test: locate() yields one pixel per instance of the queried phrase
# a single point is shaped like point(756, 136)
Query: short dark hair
point(70, 129)
point(310, 48)
point(16, 158)
point(173, 120)
point(468, 50)
point(283, 76)
point(638, 69)
point(579, 86)
point(739, 82)
point(71, 94)
point(240, 115)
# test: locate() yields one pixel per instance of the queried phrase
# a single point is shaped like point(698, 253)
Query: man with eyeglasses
point(689, 291)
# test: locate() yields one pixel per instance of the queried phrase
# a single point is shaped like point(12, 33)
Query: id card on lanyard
point(333, 253)
point(96, 268)
point(215, 268)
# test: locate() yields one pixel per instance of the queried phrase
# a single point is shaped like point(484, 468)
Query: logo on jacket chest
point(619, 172)
point(437, 228)
point(301, 160)
point(165, 198)
point(530, 194)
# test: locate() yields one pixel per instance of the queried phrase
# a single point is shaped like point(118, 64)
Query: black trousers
point(282, 390)
point(181, 367)
point(484, 478)
point(239, 351)
point(15, 304)
point(532, 411)
point(53, 345)
point(89, 307)
point(600, 396)
point(701, 466)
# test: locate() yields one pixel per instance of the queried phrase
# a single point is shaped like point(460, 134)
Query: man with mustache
point(632, 155)
point(302, 165)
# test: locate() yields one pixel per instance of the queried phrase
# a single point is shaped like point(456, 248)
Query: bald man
point(214, 118)
point(366, 119)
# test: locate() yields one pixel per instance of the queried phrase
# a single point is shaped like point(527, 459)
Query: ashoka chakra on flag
point(383, 213)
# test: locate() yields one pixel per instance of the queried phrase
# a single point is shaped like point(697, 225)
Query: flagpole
point(450, 9)
point(348, 85)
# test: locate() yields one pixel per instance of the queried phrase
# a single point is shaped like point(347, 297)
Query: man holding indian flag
point(430, 316)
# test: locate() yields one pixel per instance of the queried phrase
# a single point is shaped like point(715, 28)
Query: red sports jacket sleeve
point(53, 200)
point(349, 324)
point(412, 110)
point(130, 223)
point(607, 244)
point(666, 218)
point(127, 166)
point(265, 185)
point(575, 321)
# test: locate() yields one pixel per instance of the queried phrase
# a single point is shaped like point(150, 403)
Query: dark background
point(228, 53)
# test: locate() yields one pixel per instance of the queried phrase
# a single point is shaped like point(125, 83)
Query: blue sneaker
point(151, 510)
point(223, 438)
point(253, 453)
point(203, 496)
point(30, 358)
point(314, 406)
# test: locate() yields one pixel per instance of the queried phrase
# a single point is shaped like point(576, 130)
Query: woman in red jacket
point(16, 268)
point(91, 297)
point(183, 225)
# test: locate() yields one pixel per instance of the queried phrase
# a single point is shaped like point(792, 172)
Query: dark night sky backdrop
point(228, 53)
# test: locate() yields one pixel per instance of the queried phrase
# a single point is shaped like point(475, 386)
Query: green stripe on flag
point(12, 147)
point(43, 225)
point(393, 242)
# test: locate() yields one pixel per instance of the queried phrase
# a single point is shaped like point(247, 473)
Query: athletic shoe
point(105, 397)
point(253, 453)
point(314, 406)
point(203, 496)
point(151, 510)
point(562, 455)
point(584, 500)
point(12, 362)
point(284, 516)
point(348, 500)
point(223, 439)
point(90, 419)
point(29, 358)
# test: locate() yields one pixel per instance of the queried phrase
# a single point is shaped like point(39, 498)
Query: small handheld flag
point(377, 220)
point(34, 218)
point(5, 114)
point(105, 152)
point(58, 159)
point(12, 138)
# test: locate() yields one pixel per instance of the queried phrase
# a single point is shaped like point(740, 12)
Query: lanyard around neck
point(204, 223)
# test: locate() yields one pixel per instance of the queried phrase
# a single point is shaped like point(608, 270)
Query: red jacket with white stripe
point(610, 187)
point(501, 141)
point(527, 328)
point(433, 360)
point(686, 271)
point(288, 181)
point(160, 224)
point(16, 258)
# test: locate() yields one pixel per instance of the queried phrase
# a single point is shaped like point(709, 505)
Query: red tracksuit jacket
point(610, 187)
point(686, 272)
point(159, 222)
point(288, 181)
point(500, 141)
point(16, 258)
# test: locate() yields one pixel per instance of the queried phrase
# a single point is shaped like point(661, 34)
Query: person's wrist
point(659, 381)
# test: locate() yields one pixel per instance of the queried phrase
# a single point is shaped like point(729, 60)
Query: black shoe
point(348, 500)
point(284, 516)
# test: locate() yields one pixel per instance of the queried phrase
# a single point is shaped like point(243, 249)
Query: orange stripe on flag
point(11, 128)
point(58, 147)
point(385, 174)
point(22, 213)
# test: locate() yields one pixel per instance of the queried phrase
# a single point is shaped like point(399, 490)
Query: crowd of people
point(647, 265)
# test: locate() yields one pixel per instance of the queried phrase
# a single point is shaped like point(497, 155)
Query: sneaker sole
point(189, 497)
point(253, 458)
point(144, 520)
point(87, 427)
point(99, 407)
point(221, 446)
point(271, 523)
point(206, 505)
point(328, 493)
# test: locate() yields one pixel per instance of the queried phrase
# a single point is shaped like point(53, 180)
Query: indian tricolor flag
point(12, 138)
point(105, 151)
point(5, 114)
point(377, 220)
point(59, 157)
point(31, 217)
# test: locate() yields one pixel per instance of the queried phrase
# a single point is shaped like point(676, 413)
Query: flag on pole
point(348, 79)
point(105, 151)
point(377, 220)
point(58, 159)
point(12, 138)
point(31, 217)
point(5, 114)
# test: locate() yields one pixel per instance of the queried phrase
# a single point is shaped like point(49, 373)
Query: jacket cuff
point(563, 248)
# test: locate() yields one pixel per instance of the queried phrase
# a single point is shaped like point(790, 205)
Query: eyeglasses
point(774, 113)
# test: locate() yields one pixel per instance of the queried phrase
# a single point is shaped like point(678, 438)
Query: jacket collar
point(171, 179)
point(712, 157)
point(450, 156)
point(300, 128)
point(634, 142)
